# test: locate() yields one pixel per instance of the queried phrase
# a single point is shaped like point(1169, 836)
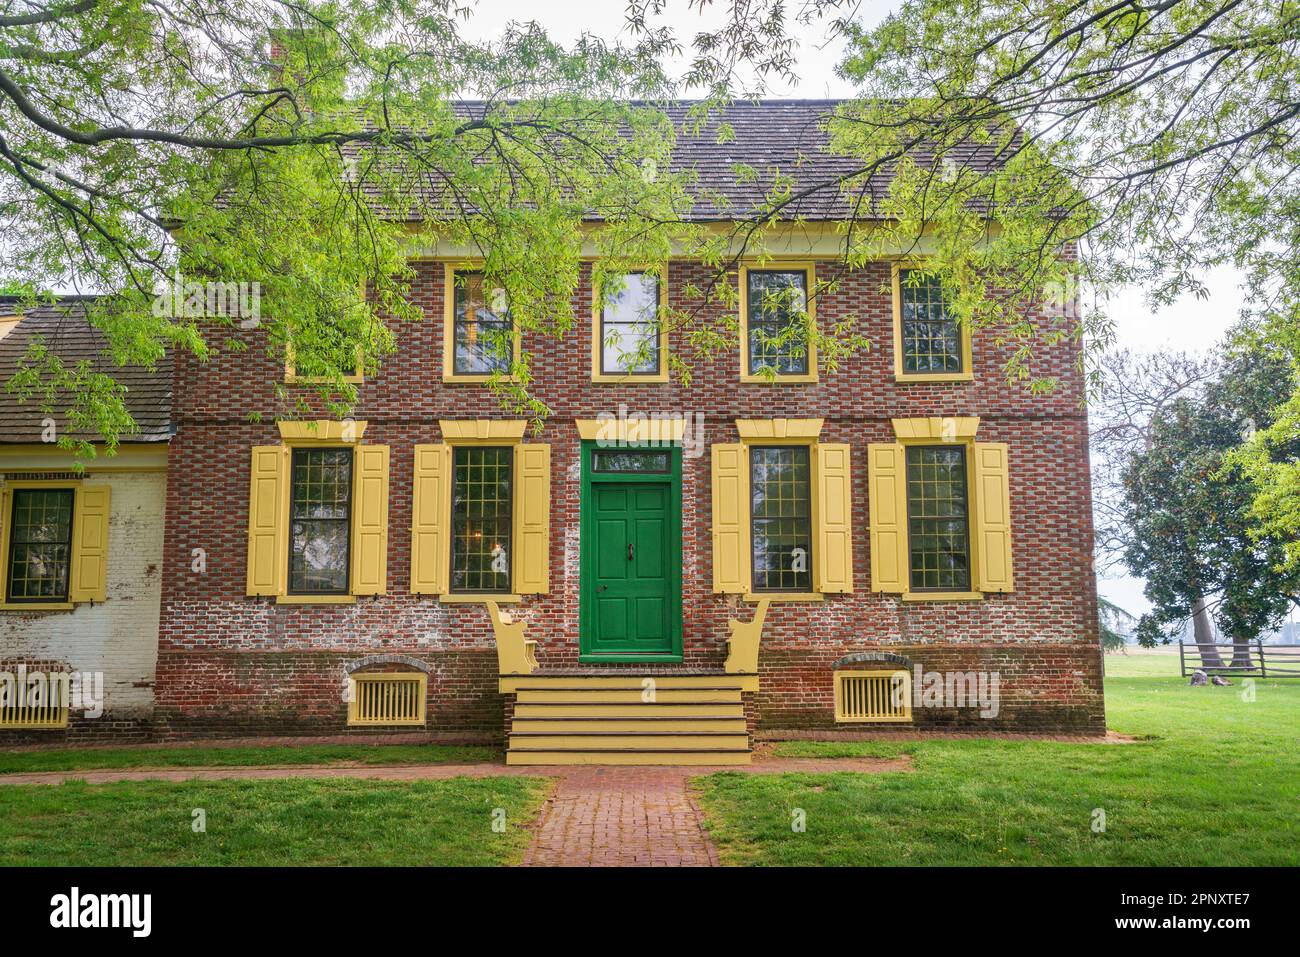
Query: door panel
point(631, 584)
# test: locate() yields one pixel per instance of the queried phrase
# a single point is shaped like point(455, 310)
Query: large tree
point(1188, 506)
point(310, 147)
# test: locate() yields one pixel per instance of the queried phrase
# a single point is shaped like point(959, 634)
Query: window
point(776, 315)
point(482, 334)
point(781, 517)
point(630, 339)
point(938, 516)
point(334, 352)
point(40, 545)
point(606, 461)
point(320, 521)
point(481, 519)
point(930, 345)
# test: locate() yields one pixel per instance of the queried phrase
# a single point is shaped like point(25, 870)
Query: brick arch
point(371, 660)
point(873, 657)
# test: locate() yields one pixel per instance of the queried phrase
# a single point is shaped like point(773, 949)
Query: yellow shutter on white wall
point(887, 502)
point(992, 517)
point(730, 519)
point(532, 531)
point(89, 576)
point(833, 554)
point(267, 525)
point(430, 520)
point(370, 520)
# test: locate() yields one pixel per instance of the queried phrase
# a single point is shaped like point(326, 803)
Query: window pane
point(777, 302)
point(629, 333)
point(630, 461)
point(40, 544)
point(781, 511)
point(320, 521)
point(484, 339)
point(931, 335)
point(480, 511)
point(938, 523)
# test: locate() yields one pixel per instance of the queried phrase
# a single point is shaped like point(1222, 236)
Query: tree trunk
point(1203, 632)
point(1241, 656)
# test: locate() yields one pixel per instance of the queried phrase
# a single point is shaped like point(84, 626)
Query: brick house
point(664, 570)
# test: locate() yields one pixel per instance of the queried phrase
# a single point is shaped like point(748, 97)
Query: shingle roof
point(66, 332)
point(768, 136)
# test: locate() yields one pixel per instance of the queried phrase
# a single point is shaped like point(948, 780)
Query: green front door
point(631, 582)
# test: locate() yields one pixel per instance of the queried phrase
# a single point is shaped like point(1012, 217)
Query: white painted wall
point(118, 637)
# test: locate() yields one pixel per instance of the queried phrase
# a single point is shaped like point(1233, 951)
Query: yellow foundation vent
point(40, 702)
point(863, 696)
point(387, 699)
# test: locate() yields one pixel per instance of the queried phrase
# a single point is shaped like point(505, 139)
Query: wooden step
point(699, 757)
point(572, 725)
point(602, 709)
point(631, 740)
point(570, 693)
point(510, 684)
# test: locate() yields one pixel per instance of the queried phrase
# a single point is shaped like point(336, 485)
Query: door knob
point(629, 551)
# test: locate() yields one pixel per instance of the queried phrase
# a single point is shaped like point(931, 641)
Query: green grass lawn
point(12, 762)
point(276, 822)
point(1213, 784)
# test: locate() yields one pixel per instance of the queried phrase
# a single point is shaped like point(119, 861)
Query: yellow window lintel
point(937, 428)
point(321, 432)
point(778, 429)
point(631, 429)
point(484, 431)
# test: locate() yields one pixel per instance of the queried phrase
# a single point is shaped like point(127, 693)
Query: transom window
point(781, 517)
point(483, 333)
point(629, 325)
point(938, 518)
point(931, 335)
point(481, 519)
point(777, 304)
point(40, 545)
point(320, 510)
point(637, 461)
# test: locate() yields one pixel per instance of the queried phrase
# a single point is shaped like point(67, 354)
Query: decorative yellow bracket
point(516, 655)
point(742, 646)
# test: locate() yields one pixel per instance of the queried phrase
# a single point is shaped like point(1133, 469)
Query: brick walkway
point(595, 817)
point(621, 817)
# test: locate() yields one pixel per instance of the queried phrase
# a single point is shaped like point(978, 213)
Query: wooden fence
point(1267, 661)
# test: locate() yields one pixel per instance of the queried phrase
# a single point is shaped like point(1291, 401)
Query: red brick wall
point(230, 661)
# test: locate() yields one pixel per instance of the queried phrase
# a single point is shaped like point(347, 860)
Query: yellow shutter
point(730, 518)
point(89, 578)
point(532, 508)
point(370, 520)
point(267, 522)
point(992, 517)
point(887, 490)
point(430, 521)
point(833, 553)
